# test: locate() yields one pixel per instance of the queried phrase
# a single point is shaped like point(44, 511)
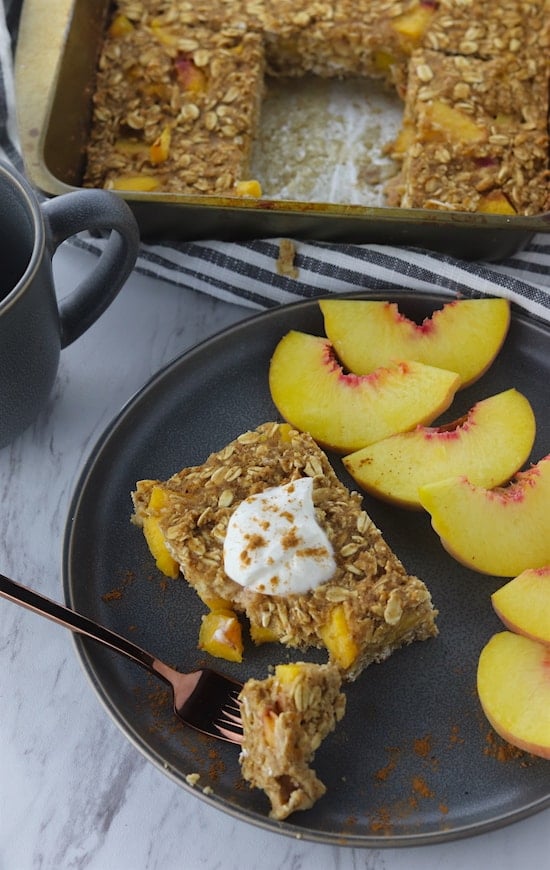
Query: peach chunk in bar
point(475, 136)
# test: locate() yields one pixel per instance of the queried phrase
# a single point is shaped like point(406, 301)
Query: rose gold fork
point(205, 700)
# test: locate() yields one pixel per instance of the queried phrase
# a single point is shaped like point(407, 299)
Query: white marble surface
point(73, 792)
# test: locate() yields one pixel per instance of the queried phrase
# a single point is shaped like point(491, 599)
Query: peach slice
point(523, 604)
point(513, 684)
point(345, 412)
point(501, 531)
point(464, 336)
point(488, 445)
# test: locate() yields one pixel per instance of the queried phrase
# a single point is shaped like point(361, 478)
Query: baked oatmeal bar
point(366, 38)
point(475, 136)
point(285, 719)
point(176, 105)
point(492, 29)
point(367, 608)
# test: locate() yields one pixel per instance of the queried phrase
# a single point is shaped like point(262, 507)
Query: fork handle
point(76, 622)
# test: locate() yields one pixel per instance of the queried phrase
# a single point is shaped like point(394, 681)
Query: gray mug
point(34, 325)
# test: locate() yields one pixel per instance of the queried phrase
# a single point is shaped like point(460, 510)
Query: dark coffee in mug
point(34, 325)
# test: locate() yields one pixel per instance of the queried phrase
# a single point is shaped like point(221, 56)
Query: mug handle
point(92, 210)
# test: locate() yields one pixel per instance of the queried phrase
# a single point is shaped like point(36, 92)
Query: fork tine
point(234, 704)
point(231, 717)
point(228, 733)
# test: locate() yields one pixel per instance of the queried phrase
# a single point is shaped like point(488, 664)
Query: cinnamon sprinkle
point(384, 772)
point(504, 752)
point(423, 746)
point(421, 787)
point(117, 593)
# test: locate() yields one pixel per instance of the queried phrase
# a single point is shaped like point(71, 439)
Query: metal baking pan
point(55, 67)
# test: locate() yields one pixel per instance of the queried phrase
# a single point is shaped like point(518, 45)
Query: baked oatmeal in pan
point(180, 87)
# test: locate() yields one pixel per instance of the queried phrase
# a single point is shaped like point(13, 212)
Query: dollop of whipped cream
point(274, 544)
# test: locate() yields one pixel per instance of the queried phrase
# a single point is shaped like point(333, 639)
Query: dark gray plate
point(414, 760)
